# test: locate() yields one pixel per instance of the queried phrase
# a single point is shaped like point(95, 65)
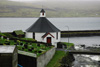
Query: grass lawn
point(68, 44)
point(55, 61)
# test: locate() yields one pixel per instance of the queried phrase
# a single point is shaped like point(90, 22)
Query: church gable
point(46, 34)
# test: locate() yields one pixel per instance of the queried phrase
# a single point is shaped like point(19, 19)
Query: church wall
point(29, 35)
point(59, 36)
point(38, 36)
point(57, 39)
point(45, 39)
point(54, 41)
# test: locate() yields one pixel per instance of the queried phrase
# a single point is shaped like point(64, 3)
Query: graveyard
point(24, 44)
point(28, 48)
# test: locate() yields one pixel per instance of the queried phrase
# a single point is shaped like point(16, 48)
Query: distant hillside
point(53, 8)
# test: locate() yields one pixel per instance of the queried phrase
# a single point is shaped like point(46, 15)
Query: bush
point(67, 60)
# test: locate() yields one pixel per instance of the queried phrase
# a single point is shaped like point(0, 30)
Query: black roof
point(42, 10)
point(42, 25)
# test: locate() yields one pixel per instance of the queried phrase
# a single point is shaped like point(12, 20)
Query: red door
point(48, 39)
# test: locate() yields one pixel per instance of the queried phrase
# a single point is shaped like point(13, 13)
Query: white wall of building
point(29, 35)
point(42, 15)
point(52, 39)
point(59, 36)
point(38, 37)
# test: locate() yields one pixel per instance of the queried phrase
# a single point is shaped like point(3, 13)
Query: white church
point(43, 30)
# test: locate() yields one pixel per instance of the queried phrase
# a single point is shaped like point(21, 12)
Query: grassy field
point(55, 61)
point(53, 9)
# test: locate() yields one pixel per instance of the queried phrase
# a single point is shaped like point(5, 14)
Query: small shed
point(8, 56)
point(18, 33)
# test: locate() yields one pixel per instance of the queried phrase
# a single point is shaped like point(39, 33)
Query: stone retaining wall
point(27, 59)
point(44, 59)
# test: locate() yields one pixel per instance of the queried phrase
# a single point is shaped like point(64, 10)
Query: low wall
point(44, 59)
point(27, 59)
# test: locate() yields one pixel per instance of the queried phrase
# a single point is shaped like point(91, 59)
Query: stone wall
point(44, 59)
point(8, 56)
point(27, 59)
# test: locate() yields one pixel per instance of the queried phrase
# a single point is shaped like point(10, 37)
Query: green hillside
point(53, 8)
point(16, 9)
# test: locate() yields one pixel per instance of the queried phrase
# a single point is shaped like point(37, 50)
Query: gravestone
point(2, 37)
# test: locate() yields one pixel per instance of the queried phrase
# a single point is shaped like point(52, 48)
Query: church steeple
point(42, 13)
point(42, 25)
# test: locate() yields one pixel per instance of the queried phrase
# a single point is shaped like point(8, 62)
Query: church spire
point(42, 13)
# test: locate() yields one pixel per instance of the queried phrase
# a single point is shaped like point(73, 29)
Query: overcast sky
point(55, 0)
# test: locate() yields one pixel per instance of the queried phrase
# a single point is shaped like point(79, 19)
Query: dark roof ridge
point(42, 25)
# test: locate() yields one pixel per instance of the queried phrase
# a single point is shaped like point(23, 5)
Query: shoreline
point(77, 33)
